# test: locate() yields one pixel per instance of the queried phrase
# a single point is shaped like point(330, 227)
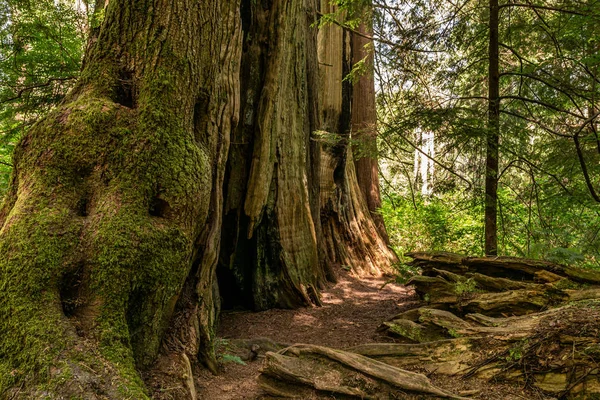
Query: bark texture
point(113, 194)
point(364, 123)
point(351, 236)
point(130, 201)
point(269, 256)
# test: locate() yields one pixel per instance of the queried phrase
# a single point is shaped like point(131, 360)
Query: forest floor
point(352, 311)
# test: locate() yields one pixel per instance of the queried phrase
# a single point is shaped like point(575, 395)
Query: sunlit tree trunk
point(352, 237)
point(364, 124)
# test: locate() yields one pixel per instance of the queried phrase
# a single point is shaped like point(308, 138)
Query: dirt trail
point(351, 312)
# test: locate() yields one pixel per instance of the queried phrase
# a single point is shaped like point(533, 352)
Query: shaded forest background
point(431, 61)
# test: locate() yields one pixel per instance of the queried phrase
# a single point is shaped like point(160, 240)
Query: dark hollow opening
point(158, 207)
point(70, 286)
point(234, 271)
point(124, 93)
point(82, 207)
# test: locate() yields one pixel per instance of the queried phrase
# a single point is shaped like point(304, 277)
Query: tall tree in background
point(436, 66)
point(130, 198)
point(364, 118)
point(493, 135)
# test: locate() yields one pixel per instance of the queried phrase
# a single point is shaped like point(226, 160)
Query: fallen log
point(499, 286)
point(517, 269)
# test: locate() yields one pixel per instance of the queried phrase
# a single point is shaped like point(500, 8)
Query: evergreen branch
point(537, 122)
point(540, 169)
point(550, 85)
point(546, 28)
point(373, 38)
point(540, 7)
point(38, 86)
point(543, 104)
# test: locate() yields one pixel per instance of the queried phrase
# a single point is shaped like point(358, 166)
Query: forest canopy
point(432, 68)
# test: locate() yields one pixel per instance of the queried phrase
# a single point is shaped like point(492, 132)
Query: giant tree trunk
point(353, 238)
point(110, 201)
point(128, 201)
point(269, 256)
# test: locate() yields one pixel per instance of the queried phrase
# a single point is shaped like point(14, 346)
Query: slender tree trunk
point(493, 137)
point(364, 126)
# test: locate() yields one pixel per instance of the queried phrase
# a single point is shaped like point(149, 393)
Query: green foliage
point(404, 271)
point(517, 351)
point(514, 354)
point(557, 231)
point(41, 49)
point(432, 224)
point(234, 359)
point(434, 80)
point(453, 333)
point(222, 348)
point(465, 287)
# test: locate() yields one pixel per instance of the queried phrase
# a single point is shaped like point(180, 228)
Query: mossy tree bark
point(113, 200)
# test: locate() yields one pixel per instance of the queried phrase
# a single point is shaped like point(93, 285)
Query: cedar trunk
point(353, 238)
point(130, 199)
point(114, 204)
point(269, 253)
point(364, 125)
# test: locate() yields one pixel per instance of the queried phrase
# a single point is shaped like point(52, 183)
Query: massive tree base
point(504, 319)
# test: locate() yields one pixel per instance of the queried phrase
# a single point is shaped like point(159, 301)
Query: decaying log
point(522, 320)
point(557, 350)
point(518, 269)
point(499, 286)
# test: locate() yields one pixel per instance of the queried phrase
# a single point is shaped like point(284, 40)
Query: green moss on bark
point(113, 192)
